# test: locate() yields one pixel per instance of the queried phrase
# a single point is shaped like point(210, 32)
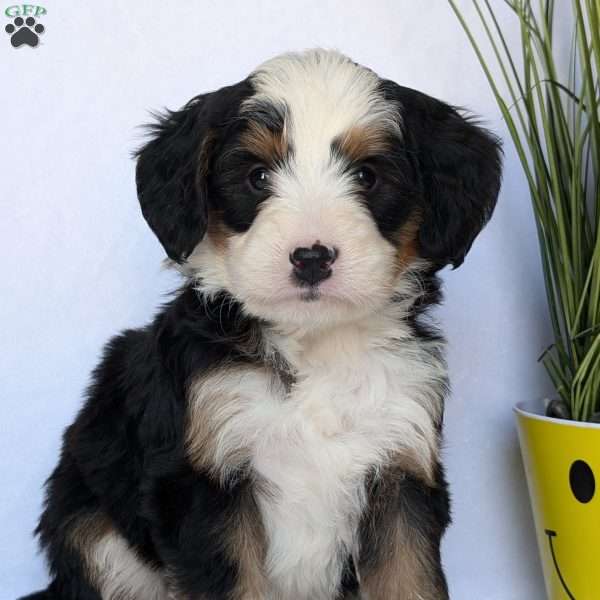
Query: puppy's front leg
point(400, 538)
point(208, 536)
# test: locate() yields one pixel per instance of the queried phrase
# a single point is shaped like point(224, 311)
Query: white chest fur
point(360, 397)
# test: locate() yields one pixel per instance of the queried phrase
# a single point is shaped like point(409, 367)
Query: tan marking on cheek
point(270, 146)
point(217, 231)
point(359, 143)
point(406, 242)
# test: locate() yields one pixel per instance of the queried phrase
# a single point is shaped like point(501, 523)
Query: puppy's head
point(313, 189)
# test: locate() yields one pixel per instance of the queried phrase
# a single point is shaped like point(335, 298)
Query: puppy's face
point(311, 191)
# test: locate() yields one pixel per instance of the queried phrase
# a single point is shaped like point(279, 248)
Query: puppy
point(274, 433)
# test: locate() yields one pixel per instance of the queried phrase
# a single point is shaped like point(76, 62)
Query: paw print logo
point(24, 31)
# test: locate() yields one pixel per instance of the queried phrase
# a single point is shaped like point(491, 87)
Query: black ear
point(459, 165)
point(172, 168)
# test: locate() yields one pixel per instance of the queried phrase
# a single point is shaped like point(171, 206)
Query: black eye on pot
point(259, 179)
point(366, 177)
point(582, 481)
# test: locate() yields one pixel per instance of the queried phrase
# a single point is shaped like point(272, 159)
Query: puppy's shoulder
point(141, 381)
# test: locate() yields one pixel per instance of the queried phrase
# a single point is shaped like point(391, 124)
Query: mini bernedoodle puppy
point(274, 433)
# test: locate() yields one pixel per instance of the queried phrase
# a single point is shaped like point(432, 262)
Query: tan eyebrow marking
point(361, 142)
point(270, 146)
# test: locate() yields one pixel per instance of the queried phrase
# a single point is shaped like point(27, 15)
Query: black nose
point(312, 265)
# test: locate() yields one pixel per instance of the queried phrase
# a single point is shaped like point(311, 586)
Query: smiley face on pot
point(562, 464)
point(581, 488)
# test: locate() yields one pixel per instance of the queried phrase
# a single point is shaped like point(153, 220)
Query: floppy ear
point(172, 168)
point(459, 165)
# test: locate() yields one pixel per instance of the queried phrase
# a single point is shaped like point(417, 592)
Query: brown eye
point(259, 179)
point(366, 177)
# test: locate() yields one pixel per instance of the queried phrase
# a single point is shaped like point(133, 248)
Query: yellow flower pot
point(562, 463)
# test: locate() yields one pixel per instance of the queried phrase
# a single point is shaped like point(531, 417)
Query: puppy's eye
point(259, 179)
point(366, 177)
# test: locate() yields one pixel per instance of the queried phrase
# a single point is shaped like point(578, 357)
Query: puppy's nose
point(312, 265)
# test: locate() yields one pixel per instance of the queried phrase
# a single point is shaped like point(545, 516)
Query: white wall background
point(79, 264)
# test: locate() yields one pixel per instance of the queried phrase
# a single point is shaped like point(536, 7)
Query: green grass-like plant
point(552, 113)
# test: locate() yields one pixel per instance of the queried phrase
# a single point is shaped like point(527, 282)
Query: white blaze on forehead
point(325, 94)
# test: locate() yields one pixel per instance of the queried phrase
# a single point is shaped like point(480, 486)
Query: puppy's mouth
point(309, 295)
point(305, 293)
point(310, 291)
point(312, 294)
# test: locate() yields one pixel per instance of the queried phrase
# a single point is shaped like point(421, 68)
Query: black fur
point(232, 197)
point(171, 173)
point(458, 165)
